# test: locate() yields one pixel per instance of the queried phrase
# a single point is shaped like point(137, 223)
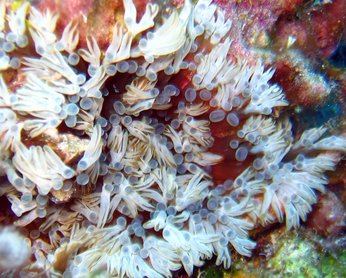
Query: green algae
point(214, 272)
point(295, 258)
point(334, 266)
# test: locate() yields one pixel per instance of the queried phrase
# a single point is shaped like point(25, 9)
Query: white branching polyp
point(140, 199)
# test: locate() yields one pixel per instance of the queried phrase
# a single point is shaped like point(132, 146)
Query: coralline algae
point(111, 157)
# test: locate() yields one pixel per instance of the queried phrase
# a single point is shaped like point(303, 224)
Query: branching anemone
point(107, 155)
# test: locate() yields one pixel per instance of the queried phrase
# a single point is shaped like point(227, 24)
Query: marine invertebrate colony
point(108, 161)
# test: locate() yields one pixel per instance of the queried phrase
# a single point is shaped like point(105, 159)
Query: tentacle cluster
point(124, 184)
